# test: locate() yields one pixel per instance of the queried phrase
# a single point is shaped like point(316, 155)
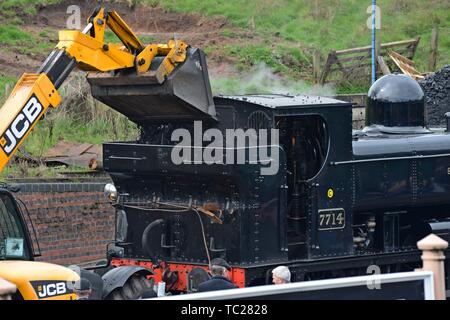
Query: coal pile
point(437, 92)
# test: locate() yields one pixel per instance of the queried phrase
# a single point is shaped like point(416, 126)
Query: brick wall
point(73, 221)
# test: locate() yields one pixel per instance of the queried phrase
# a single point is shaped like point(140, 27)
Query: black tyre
point(132, 289)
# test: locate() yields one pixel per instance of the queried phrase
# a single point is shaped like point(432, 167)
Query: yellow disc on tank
point(330, 193)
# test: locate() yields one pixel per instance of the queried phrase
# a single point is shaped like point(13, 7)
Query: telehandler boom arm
point(35, 93)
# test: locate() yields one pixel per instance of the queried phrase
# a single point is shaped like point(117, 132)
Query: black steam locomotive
point(337, 202)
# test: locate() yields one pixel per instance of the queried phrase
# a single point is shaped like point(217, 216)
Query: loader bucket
point(184, 95)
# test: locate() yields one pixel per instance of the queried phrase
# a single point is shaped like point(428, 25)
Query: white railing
point(432, 276)
point(288, 291)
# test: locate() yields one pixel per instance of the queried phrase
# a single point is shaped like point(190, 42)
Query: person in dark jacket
point(220, 277)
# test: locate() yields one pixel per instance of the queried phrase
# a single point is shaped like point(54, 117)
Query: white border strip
point(254, 292)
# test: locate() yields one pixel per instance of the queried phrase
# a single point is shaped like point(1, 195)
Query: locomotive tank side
point(396, 172)
point(398, 162)
point(401, 170)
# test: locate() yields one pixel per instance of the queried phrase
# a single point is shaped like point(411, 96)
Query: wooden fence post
point(383, 65)
point(7, 90)
point(316, 66)
point(378, 52)
point(327, 68)
point(433, 260)
point(434, 49)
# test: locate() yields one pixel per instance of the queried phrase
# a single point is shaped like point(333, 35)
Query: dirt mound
point(437, 93)
point(14, 64)
point(155, 22)
point(140, 18)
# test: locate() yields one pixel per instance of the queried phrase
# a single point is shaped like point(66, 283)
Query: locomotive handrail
point(127, 158)
point(337, 163)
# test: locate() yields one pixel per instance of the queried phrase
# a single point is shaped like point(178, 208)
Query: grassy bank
point(79, 118)
point(6, 84)
point(330, 24)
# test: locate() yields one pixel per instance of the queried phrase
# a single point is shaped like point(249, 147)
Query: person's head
point(83, 289)
point(281, 275)
point(219, 267)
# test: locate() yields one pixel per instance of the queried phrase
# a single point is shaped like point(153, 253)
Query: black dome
point(395, 100)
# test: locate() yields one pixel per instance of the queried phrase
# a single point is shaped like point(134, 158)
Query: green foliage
point(22, 169)
point(330, 24)
point(40, 48)
point(252, 55)
point(58, 126)
point(349, 89)
point(5, 81)
point(238, 12)
point(79, 118)
point(152, 3)
point(16, 21)
point(318, 24)
point(22, 6)
point(30, 10)
point(111, 37)
point(287, 60)
point(13, 36)
point(229, 33)
point(16, 39)
point(7, 4)
point(146, 39)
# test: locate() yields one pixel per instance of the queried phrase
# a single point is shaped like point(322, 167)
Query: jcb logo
point(21, 125)
point(48, 289)
point(53, 289)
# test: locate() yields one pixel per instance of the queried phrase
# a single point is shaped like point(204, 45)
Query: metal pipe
point(337, 163)
point(87, 28)
point(447, 118)
point(374, 58)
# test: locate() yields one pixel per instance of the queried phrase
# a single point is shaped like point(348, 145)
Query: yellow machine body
point(29, 100)
point(40, 280)
point(34, 94)
point(90, 53)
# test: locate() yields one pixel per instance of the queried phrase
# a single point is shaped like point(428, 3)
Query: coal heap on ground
point(437, 93)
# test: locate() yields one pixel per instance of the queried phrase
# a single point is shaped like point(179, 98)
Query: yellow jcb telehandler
point(178, 75)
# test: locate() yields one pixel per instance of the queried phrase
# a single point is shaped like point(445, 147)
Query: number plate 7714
point(331, 219)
